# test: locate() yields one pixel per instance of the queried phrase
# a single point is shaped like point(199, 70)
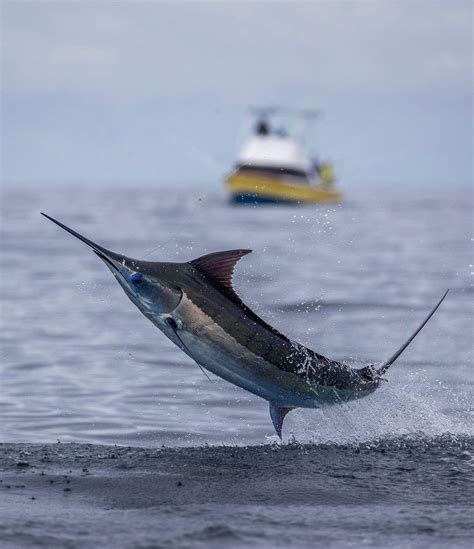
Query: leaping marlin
point(195, 305)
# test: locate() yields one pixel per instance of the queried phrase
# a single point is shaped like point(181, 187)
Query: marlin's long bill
point(103, 253)
point(386, 365)
point(91, 244)
point(195, 305)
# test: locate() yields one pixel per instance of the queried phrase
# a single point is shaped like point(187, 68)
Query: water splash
point(419, 407)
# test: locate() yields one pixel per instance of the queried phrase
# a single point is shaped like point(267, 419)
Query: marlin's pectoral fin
point(171, 322)
point(278, 413)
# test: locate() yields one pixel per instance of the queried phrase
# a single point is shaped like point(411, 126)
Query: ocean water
point(79, 363)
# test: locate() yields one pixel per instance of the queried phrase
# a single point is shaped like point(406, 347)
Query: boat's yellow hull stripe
point(280, 189)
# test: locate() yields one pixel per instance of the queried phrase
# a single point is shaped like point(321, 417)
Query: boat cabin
point(272, 166)
point(274, 153)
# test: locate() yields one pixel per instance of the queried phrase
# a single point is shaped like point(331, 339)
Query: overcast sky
point(147, 92)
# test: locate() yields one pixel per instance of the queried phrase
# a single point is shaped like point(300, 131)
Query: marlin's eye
point(136, 278)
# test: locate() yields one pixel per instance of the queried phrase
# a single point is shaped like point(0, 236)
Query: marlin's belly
point(217, 351)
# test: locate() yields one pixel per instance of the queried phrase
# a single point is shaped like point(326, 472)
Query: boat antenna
point(264, 112)
point(302, 116)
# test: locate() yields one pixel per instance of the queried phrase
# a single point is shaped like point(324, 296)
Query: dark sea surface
point(80, 364)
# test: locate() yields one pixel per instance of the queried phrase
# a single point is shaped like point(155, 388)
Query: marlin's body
point(195, 306)
point(221, 336)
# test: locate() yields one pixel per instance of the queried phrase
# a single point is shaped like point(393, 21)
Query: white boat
point(272, 166)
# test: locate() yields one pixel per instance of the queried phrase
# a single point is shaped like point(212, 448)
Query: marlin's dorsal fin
point(219, 266)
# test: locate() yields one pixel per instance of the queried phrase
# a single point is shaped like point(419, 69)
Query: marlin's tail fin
point(386, 365)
